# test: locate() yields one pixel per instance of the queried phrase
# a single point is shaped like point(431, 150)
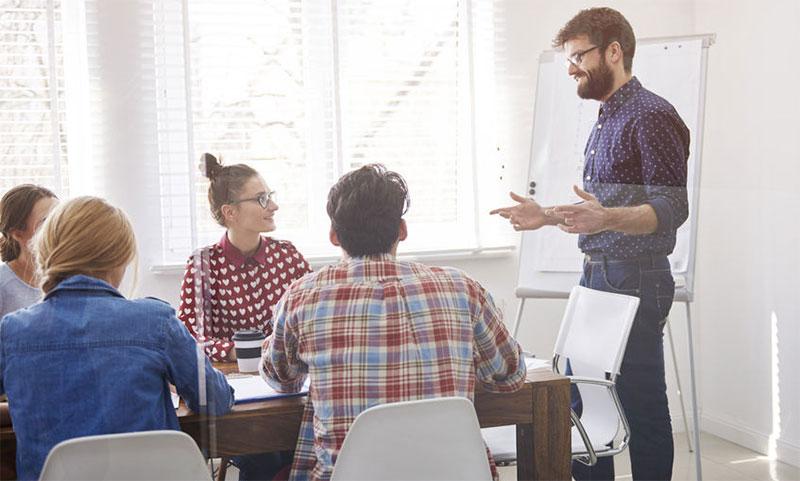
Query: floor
point(722, 461)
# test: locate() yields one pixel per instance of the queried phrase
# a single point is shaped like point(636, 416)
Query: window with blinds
point(305, 91)
point(32, 113)
point(403, 95)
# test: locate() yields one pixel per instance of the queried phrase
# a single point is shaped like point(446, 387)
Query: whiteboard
point(674, 68)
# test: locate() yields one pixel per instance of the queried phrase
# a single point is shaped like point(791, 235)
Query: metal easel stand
point(695, 408)
point(695, 411)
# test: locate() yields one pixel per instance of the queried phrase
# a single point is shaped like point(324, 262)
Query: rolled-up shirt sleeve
point(280, 367)
point(499, 364)
point(663, 143)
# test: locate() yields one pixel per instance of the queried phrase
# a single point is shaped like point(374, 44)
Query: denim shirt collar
point(81, 282)
point(619, 97)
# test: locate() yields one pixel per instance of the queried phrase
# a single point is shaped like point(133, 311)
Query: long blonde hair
point(85, 235)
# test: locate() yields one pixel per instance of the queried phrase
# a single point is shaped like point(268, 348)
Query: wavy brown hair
point(365, 207)
point(603, 26)
point(15, 208)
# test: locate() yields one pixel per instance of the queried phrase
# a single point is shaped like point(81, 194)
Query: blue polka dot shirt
point(637, 154)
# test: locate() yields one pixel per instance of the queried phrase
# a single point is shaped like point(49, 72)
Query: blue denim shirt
point(87, 361)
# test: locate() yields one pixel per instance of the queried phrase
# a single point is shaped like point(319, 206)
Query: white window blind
point(304, 91)
point(406, 101)
point(243, 80)
point(32, 113)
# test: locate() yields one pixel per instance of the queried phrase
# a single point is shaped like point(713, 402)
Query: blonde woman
point(86, 360)
point(22, 211)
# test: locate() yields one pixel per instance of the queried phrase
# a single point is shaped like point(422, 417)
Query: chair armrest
point(591, 380)
point(611, 386)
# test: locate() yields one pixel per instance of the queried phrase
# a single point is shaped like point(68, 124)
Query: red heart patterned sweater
point(223, 291)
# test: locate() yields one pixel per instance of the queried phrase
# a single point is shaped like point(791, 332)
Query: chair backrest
point(432, 439)
point(148, 455)
point(594, 331)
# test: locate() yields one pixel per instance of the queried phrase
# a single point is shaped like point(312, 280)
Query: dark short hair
point(226, 183)
point(365, 207)
point(603, 26)
point(15, 208)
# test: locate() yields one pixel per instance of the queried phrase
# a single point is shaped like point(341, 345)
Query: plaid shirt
point(373, 330)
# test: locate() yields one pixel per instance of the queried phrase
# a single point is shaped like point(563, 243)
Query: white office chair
point(593, 336)
point(427, 440)
point(140, 456)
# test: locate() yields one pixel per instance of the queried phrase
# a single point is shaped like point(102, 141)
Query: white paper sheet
point(533, 364)
point(253, 388)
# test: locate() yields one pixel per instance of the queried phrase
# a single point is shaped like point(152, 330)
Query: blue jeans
point(641, 384)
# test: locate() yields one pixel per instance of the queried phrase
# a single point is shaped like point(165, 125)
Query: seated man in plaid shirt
point(372, 330)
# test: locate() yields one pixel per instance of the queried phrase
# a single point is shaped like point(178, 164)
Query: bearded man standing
point(634, 200)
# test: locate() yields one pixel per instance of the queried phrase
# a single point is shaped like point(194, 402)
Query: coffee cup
point(248, 349)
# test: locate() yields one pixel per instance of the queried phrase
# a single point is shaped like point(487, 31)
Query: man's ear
point(615, 53)
point(333, 237)
point(403, 230)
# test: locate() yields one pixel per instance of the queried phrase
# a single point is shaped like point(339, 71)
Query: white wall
point(748, 257)
point(748, 239)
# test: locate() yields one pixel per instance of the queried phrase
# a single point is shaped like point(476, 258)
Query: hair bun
point(211, 164)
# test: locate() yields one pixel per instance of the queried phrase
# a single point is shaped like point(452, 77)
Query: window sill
point(433, 257)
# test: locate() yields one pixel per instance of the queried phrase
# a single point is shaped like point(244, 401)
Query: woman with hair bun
point(234, 284)
point(22, 211)
point(86, 360)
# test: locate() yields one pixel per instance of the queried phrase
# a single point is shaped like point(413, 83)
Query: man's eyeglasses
point(577, 58)
point(263, 199)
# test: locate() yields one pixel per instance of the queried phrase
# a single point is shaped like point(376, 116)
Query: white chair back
point(593, 335)
point(594, 331)
point(148, 455)
point(430, 440)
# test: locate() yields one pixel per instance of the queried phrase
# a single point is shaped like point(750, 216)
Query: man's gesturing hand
point(588, 217)
point(526, 215)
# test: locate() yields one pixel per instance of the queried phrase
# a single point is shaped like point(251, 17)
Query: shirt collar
point(370, 258)
point(232, 253)
point(81, 282)
point(618, 98)
point(373, 266)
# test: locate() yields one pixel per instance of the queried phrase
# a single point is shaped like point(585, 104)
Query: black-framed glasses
point(263, 199)
point(577, 58)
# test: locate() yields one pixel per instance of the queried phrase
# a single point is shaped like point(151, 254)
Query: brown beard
point(598, 82)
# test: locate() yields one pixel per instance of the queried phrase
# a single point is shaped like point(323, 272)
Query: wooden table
point(540, 410)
